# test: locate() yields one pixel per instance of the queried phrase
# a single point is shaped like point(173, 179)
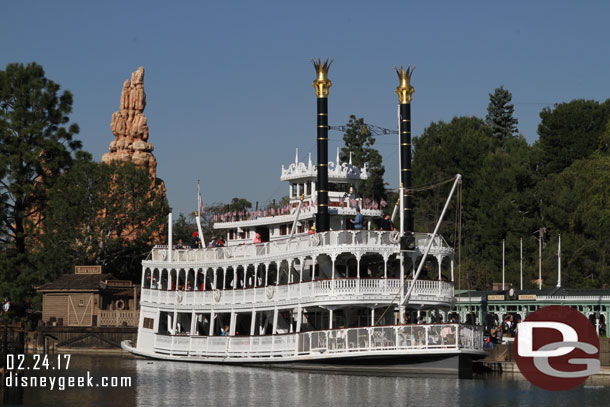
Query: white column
point(299, 318)
point(253, 323)
point(372, 316)
point(275, 315)
point(232, 322)
point(266, 274)
point(330, 319)
point(212, 318)
point(277, 279)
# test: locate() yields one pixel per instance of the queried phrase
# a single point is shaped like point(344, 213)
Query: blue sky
point(229, 84)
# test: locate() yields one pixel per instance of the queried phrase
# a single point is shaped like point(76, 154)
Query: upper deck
point(332, 243)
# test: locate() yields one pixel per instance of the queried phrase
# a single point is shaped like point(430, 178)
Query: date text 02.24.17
point(39, 362)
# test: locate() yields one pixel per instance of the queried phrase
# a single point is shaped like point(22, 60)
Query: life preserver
point(217, 295)
point(163, 254)
point(179, 296)
point(270, 291)
point(120, 304)
point(394, 236)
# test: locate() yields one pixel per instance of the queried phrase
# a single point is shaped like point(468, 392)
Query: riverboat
point(311, 293)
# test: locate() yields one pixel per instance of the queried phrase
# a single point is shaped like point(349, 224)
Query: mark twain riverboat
point(331, 300)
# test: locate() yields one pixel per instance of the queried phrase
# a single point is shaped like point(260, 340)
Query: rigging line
point(426, 187)
point(402, 286)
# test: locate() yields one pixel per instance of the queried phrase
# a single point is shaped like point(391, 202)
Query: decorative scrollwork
point(270, 291)
point(394, 236)
point(217, 295)
point(179, 297)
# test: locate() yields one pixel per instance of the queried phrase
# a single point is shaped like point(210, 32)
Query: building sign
point(118, 283)
point(87, 269)
point(527, 297)
point(495, 298)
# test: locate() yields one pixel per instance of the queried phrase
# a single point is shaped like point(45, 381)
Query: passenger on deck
point(257, 238)
point(312, 230)
point(386, 223)
point(358, 221)
point(220, 242)
point(180, 245)
point(195, 241)
point(212, 242)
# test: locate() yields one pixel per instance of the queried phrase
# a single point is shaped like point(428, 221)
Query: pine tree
point(36, 145)
point(359, 143)
point(500, 115)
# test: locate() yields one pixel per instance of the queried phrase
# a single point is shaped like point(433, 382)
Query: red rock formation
point(130, 127)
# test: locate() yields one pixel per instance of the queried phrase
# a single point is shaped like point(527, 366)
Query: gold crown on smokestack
point(322, 84)
point(404, 90)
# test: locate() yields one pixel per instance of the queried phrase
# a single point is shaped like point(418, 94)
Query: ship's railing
point(318, 290)
point(415, 338)
point(118, 318)
point(355, 238)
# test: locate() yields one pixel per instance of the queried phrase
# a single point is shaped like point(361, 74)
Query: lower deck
point(385, 342)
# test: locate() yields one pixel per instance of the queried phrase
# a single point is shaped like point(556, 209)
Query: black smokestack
point(322, 86)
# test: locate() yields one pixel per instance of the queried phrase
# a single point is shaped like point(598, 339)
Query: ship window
point(283, 230)
point(300, 228)
point(149, 323)
point(293, 191)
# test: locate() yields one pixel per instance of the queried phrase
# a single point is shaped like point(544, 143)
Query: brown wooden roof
point(77, 282)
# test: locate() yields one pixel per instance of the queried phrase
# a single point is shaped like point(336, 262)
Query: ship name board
point(495, 298)
point(527, 297)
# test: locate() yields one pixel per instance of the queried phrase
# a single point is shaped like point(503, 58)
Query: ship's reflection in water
point(163, 383)
point(160, 383)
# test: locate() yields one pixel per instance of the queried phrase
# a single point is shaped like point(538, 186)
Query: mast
point(322, 85)
point(404, 91)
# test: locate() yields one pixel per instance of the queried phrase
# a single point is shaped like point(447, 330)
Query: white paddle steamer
point(338, 299)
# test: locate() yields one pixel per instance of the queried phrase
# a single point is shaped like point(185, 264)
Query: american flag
point(383, 203)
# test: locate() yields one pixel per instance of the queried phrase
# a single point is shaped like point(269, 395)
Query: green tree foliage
point(238, 204)
point(36, 145)
point(576, 204)
point(183, 229)
point(359, 142)
point(500, 115)
point(443, 150)
point(108, 215)
point(569, 132)
point(497, 200)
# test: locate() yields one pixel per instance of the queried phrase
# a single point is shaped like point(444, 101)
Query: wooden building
point(89, 298)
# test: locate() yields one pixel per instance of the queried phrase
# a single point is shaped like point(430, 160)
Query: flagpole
point(521, 265)
point(503, 264)
point(559, 263)
point(198, 212)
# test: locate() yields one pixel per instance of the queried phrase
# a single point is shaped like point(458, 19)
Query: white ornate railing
point(357, 238)
point(117, 318)
point(310, 291)
point(334, 341)
point(587, 298)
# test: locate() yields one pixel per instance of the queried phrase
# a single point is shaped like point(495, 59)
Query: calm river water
point(157, 383)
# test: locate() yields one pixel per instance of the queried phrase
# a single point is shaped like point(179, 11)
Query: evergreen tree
point(500, 115)
point(102, 214)
point(36, 145)
point(569, 132)
point(359, 142)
